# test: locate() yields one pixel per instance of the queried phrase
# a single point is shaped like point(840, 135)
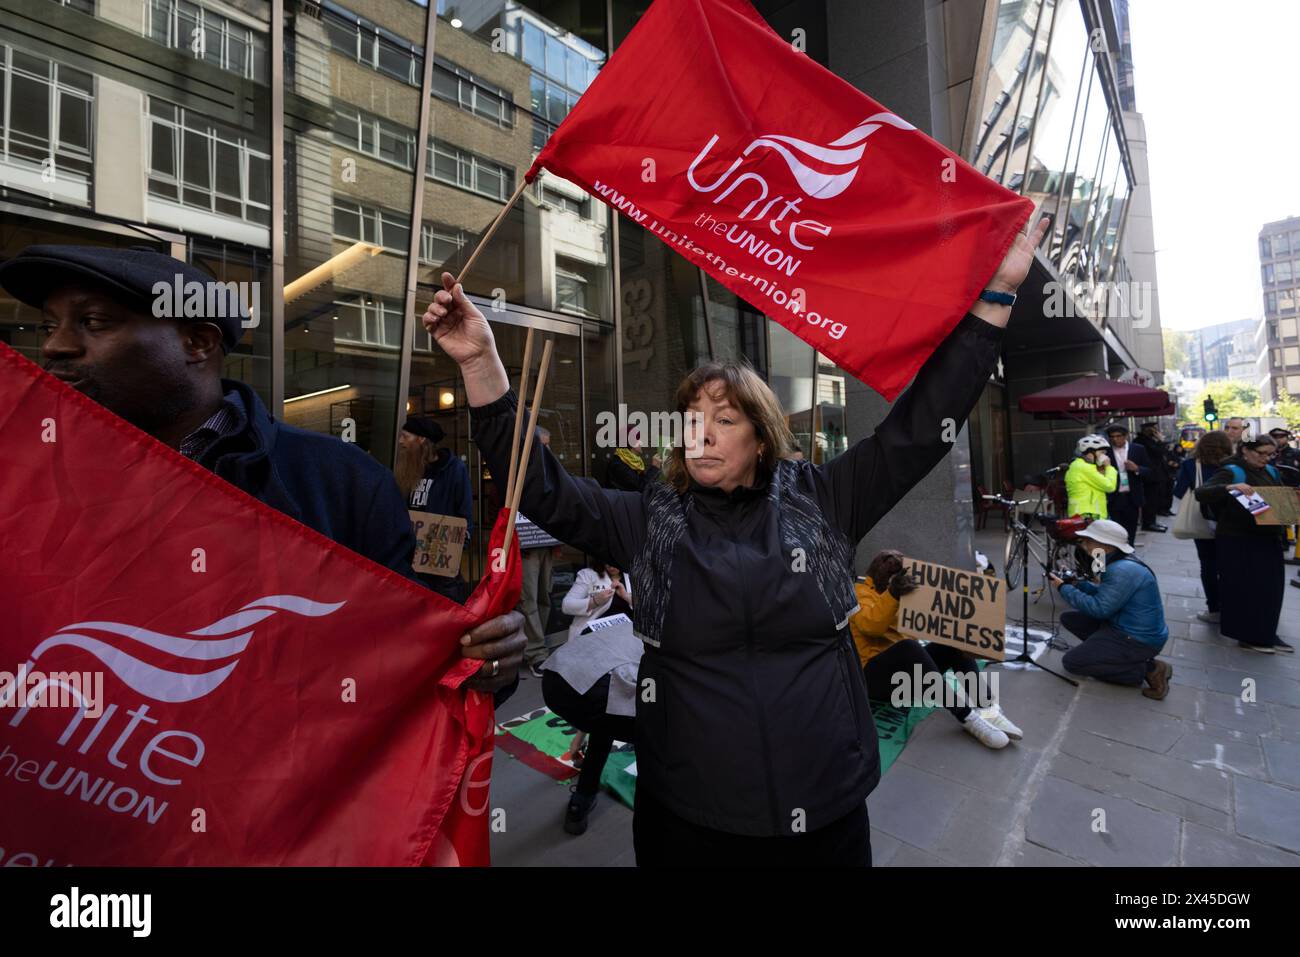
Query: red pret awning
point(1093, 395)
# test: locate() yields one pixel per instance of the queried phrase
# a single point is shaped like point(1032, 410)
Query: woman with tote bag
point(1213, 449)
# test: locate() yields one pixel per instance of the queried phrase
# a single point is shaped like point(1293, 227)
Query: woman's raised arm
point(577, 511)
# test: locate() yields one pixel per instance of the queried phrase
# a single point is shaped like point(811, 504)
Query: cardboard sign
point(966, 610)
point(439, 540)
point(1284, 505)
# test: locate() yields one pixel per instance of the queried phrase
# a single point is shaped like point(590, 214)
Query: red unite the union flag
point(796, 191)
point(269, 697)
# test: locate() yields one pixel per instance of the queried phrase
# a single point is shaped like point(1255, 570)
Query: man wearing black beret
point(112, 332)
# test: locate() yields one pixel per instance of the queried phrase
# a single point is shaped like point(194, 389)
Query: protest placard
point(966, 610)
point(439, 540)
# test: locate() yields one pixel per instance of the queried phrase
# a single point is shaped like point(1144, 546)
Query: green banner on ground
point(543, 740)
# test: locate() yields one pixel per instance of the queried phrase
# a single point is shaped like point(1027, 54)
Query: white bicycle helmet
point(1090, 443)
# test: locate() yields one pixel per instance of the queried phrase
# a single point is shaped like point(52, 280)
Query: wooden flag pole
point(492, 229)
point(528, 445)
point(519, 417)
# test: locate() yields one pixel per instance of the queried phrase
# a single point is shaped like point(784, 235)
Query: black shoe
point(1295, 583)
point(575, 816)
point(1154, 528)
point(1165, 514)
point(1283, 648)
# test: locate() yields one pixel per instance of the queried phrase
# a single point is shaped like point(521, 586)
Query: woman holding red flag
point(755, 744)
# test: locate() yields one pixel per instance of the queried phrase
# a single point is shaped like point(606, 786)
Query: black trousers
point(1105, 654)
point(1253, 579)
point(1122, 510)
point(663, 839)
point(586, 712)
point(1208, 552)
point(903, 656)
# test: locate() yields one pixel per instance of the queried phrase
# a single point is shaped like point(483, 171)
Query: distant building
point(1210, 350)
point(1279, 259)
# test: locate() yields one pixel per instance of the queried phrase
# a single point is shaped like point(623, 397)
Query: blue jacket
point(1187, 476)
point(326, 484)
point(1128, 599)
point(444, 490)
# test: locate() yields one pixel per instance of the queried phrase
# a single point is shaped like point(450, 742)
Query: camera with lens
point(1068, 575)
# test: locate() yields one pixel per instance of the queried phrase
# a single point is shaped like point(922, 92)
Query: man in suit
point(1125, 503)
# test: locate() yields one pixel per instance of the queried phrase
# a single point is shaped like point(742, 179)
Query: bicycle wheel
point(1013, 556)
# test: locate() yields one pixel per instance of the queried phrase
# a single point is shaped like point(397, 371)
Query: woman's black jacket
point(752, 715)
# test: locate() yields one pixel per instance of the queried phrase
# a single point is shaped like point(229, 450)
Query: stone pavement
point(1201, 778)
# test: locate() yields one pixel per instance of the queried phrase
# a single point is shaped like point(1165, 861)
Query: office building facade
point(1279, 268)
point(338, 156)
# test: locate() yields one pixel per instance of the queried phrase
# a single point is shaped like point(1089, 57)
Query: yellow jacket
point(1087, 488)
point(873, 625)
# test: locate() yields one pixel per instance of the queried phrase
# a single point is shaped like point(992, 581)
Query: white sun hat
point(1108, 533)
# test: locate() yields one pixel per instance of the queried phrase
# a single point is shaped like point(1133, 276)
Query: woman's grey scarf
point(828, 552)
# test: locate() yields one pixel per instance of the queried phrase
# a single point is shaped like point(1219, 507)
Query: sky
point(1217, 84)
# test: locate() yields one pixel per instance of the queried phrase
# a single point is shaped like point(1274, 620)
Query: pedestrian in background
point(1251, 572)
point(1212, 450)
point(1130, 461)
point(434, 479)
point(1090, 478)
point(627, 471)
point(535, 592)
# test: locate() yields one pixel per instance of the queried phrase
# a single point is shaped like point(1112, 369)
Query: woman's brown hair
point(745, 389)
point(1213, 448)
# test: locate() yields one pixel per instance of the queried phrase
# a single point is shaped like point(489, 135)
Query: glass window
point(534, 46)
point(347, 220)
point(1282, 271)
point(1268, 274)
point(1058, 109)
point(1015, 75)
point(1280, 245)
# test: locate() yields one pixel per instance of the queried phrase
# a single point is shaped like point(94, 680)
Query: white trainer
point(984, 732)
point(995, 717)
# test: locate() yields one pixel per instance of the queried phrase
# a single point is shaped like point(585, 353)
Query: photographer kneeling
point(1120, 618)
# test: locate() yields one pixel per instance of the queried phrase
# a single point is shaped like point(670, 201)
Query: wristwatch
point(1000, 298)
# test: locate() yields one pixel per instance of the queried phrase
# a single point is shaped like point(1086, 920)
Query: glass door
point(436, 390)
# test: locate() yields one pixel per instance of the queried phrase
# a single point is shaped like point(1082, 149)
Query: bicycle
point(1052, 551)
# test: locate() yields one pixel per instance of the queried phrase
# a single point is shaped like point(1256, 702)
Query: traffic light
point(1211, 413)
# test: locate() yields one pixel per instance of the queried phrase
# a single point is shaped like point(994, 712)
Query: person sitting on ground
point(1090, 478)
point(590, 680)
point(1120, 617)
point(885, 653)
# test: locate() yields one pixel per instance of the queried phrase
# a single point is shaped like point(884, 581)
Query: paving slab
point(1206, 847)
point(1268, 813)
point(1105, 781)
point(914, 805)
point(1063, 816)
point(1283, 759)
